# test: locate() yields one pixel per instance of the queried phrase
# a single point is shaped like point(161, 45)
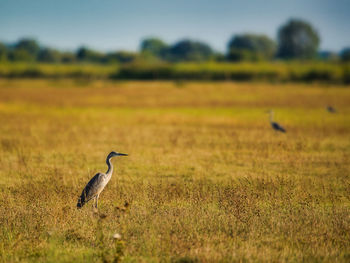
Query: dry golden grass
point(207, 179)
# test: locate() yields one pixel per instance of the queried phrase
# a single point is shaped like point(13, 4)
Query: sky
point(109, 25)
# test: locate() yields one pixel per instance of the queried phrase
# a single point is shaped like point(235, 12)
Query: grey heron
point(97, 183)
point(275, 125)
point(330, 109)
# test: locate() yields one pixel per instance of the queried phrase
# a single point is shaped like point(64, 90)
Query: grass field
point(207, 178)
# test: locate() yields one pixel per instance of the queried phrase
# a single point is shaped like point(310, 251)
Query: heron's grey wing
point(277, 127)
point(90, 190)
point(282, 129)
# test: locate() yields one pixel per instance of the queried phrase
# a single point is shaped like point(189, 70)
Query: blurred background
point(181, 40)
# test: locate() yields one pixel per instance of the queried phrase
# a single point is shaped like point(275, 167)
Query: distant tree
point(297, 39)
point(154, 46)
point(188, 50)
point(3, 52)
point(88, 55)
point(20, 55)
point(220, 57)
point(251, 47)
point(68, 57)
point(29, 45)
point(345, 54)
point(120, 57)
point(49, 55)
point(25, 49)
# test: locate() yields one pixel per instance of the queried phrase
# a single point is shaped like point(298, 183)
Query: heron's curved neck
point(271, 116)
point(110, 167)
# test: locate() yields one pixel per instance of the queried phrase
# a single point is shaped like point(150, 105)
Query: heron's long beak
point(122, 154)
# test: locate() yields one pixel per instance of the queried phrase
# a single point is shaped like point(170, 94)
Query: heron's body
point(330, 109)
point(275, 125)
point(97, 183)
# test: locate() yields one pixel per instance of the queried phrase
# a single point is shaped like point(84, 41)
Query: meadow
point(206, 179)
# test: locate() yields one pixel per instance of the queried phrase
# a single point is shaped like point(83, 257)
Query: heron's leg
point(96, 201)
point(95, 206)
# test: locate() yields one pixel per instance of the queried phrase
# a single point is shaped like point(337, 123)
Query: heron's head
point(112, 154)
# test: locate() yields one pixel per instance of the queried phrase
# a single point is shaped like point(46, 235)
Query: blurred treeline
point(294, 56)
point(295, 71)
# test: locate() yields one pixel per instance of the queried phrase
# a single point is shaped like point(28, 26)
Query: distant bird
point(275, 125)
point(95, 186)
point(330, 109)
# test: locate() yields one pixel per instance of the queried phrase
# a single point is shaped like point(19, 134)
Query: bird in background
point(330, 109)
point(275, 125)
point(97, 183)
